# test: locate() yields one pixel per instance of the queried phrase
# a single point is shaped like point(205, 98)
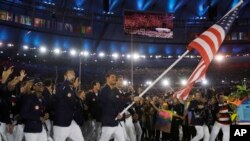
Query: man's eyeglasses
point(38, 84)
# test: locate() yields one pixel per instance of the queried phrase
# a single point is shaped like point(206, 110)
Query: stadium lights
point(78, 8)
point(148, 82)
point(115, 55)
point(43, 49)
point(1, 43)
point(85, 53)
point(128, 56)
point(219, 58)
point(25, 47)
point(204, 82)
point(143, 56)
point(158, 56)
point(183, 82)
point(125, 82)
point(101, 54)
point(57, 51)
point(10, 45)
point(136, 56)
point(49, 3)
point(165, 82)
point(72, 52)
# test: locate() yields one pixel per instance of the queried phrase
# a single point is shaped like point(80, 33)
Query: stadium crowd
point(33, 109)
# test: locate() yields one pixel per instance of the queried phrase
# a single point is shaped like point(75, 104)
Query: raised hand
point(118, 117)
point(7, 73)
point(77, 83)
point(22, 75)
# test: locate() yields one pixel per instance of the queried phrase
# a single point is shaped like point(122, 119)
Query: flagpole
point(156, 80)
point(236, 6)
point(167, 70)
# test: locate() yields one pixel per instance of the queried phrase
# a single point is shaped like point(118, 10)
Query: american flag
point(207, 44)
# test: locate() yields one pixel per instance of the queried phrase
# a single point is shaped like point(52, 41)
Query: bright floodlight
point(57, 51)
point(125, 82)
point(158, 56)
point(128, 56)
point(136, 56)
point(165, 82)
point(143, 56)
point(1, 43)
point(25, 47)
point(72, 52)
point(101, 54)
point(43, 49)
point(115, 55)
point(148, 82)
point(10, 45)
point(85, 53)
point(219, 58)
point(183, 82)
point(204, 82)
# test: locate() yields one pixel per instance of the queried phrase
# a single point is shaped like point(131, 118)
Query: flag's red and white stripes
point(197, 75)
point(207, 44)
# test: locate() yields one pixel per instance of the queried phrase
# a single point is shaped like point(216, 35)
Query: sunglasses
point(38, 84)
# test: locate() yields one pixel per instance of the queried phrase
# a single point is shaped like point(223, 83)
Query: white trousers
point(130, 128)
point(216, 128)
point(138, 130)
point(73, 132)
point(3, 132)
point(112, 132)
point(91, 130)
point(48, 123)
point(36, 136)
point(201, 132)
point(180, 133)
point(18, 132)
point(124, 131)
point(4, 135)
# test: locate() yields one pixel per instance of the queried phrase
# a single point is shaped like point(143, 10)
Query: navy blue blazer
point(110, 103)
point(64, 105)
point(32, 110)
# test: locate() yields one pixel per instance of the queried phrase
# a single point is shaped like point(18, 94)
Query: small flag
point(164, 120)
